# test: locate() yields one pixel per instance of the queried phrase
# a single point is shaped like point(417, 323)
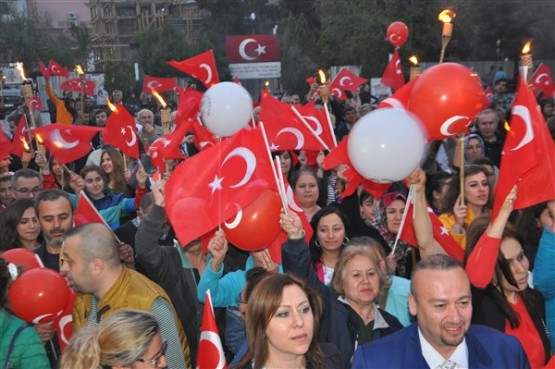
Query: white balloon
point(226, 108)
point(386, 145)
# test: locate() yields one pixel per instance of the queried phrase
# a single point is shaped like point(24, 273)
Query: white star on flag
point(122, 130)
point(274, 147)
point(444, 231)
point(260, 49)
point(216, 184)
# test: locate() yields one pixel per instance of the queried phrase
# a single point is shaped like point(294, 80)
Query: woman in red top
point(501, 298)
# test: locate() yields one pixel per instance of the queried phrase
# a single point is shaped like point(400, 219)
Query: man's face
point(27, 188)
point(487, 125)
point(74, 268)
point(443, 305)
point(117, 96)
point(350, 116)
point(56, 219)
point(101, 119)
point(6, 193)
point(146, 118)
point(501, 87)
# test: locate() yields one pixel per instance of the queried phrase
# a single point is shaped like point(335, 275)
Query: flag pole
point(326, 147)
point(461, 170)
point(410, 199)
point(281, 184)
point(274, 171)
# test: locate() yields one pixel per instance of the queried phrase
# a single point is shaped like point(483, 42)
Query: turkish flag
point(528, 158)
point(36, 104)
point(158, 84)
point(347, 81)
point(67, 143)
point(167, 147)
point(121, 132)
point(393, 73)
point(204, 138)
point(201, 67)
point(284, 129)
point(210, 350)
point(542, 81)
point(252, 49)
point(19, 136)
point(400, 99)
point(188, 104)
point(441, 234)
point(44, 70)
point(74, 84)
point(55, 69)
point(489, 93)
point(310, 80)
point(209, 187)
point(64, 322)
point(85, 212)
point(339, 156)
point(6, 146)
point(318, 121)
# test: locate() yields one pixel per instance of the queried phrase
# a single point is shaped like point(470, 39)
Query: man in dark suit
point(443, 336)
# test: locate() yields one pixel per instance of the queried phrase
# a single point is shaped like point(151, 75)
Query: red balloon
point(24, 258)
point(257, 225)
point(446, 98)
point(397, 33)
point(38, 295)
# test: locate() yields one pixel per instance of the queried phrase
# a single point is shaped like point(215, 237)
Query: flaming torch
point(165, 118)
point(414, 68)
point(526, 62)
point(81, 75)
point(27, 93)
point(114, 109)
point(446, 16)
point(325, 95)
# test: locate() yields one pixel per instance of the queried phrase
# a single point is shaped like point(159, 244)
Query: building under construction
point(117, 23)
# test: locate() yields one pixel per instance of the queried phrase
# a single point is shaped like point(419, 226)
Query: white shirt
point(435, 359)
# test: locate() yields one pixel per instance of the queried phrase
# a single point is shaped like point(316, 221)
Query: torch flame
point(79, 70)
point(39, 138)
point(507, 126)
point(25, 144)
point(446, 16)
point(267, 84)
point(160, 99)
point(526, 48)
point(19, 67)
point(110, 105)
point(322, 75)
point(414, 60)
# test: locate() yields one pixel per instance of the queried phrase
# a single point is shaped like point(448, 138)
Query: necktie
point(448, 365)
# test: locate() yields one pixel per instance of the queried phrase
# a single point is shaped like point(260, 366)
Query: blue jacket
point(487, 348)
point(544, 278)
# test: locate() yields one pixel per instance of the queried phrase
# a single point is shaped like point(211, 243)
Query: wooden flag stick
point(274, 171)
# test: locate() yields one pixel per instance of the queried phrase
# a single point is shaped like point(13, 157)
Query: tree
point(119, 75)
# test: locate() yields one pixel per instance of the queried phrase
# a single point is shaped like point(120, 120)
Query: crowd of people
point(351, 296)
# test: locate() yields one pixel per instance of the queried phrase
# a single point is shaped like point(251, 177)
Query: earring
point(317, 243)
point(345, 241)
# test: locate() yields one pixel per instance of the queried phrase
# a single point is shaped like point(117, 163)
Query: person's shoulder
point(492, 336)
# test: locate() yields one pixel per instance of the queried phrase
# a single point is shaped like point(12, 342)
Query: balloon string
point(220, 210)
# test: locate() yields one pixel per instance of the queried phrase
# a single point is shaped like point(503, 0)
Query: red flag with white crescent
point(252, 49)
point(64, 322)
point(6, 146)
point(20, 137)
point(85, 212)
point(393, 73)
point(543, 82)
point(55, 69)
point(347, 81)
point(201, 67)
point(121, 131)
point(158, 84)
point(210, 351)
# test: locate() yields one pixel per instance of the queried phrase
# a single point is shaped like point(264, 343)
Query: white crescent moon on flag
point(208, 71)
point(250, 160)
point(235, 222)
point(444, 130)
point(338, 93)
point(539, 78)
point(297, 133)
point(133, 136)
point(202, 144)
point(291, 200)
point(62, 324)
point(318, 130)
point(398, 67)
point(344, 79)
point(394, 103)
point(242, 47)
point(153, 85)
point(57, 137)
point(54, 69)
point(214, 339)
point(523, 112)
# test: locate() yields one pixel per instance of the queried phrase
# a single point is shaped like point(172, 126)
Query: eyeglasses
point(156, 359)
point(26, 191)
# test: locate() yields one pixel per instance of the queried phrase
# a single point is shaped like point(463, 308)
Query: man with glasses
point(26, 183)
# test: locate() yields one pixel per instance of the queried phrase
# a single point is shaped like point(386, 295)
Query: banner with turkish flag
point(55, 69)
point(158, 84)
point(441, 234)
point(74, 84)
point(188, 104)
point(209, 187)
point(85, 212)
point(543, 82)
point(121, 132)
point(285, 131)
point(6, 146)
point(528, 158)
point(201, 67)
point(67, 143)
point(347, 81)
point(252, 48)
point(393, 73)
point(210, 350)
point(167, 147)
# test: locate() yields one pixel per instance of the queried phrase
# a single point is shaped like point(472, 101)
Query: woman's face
point(360, 281)
point(306, 190)
point(285, 162)
point(545, 219)
point(291, 328)
point(94, 184)
point(106, 163)
point(331, 232)
point(474, 149)
point(155, 356)
point(57, 168)
point(394, 214)
point(476, 189)
point(548, 110)
point(28, 227)
point(518, 262)
point(368, 209)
